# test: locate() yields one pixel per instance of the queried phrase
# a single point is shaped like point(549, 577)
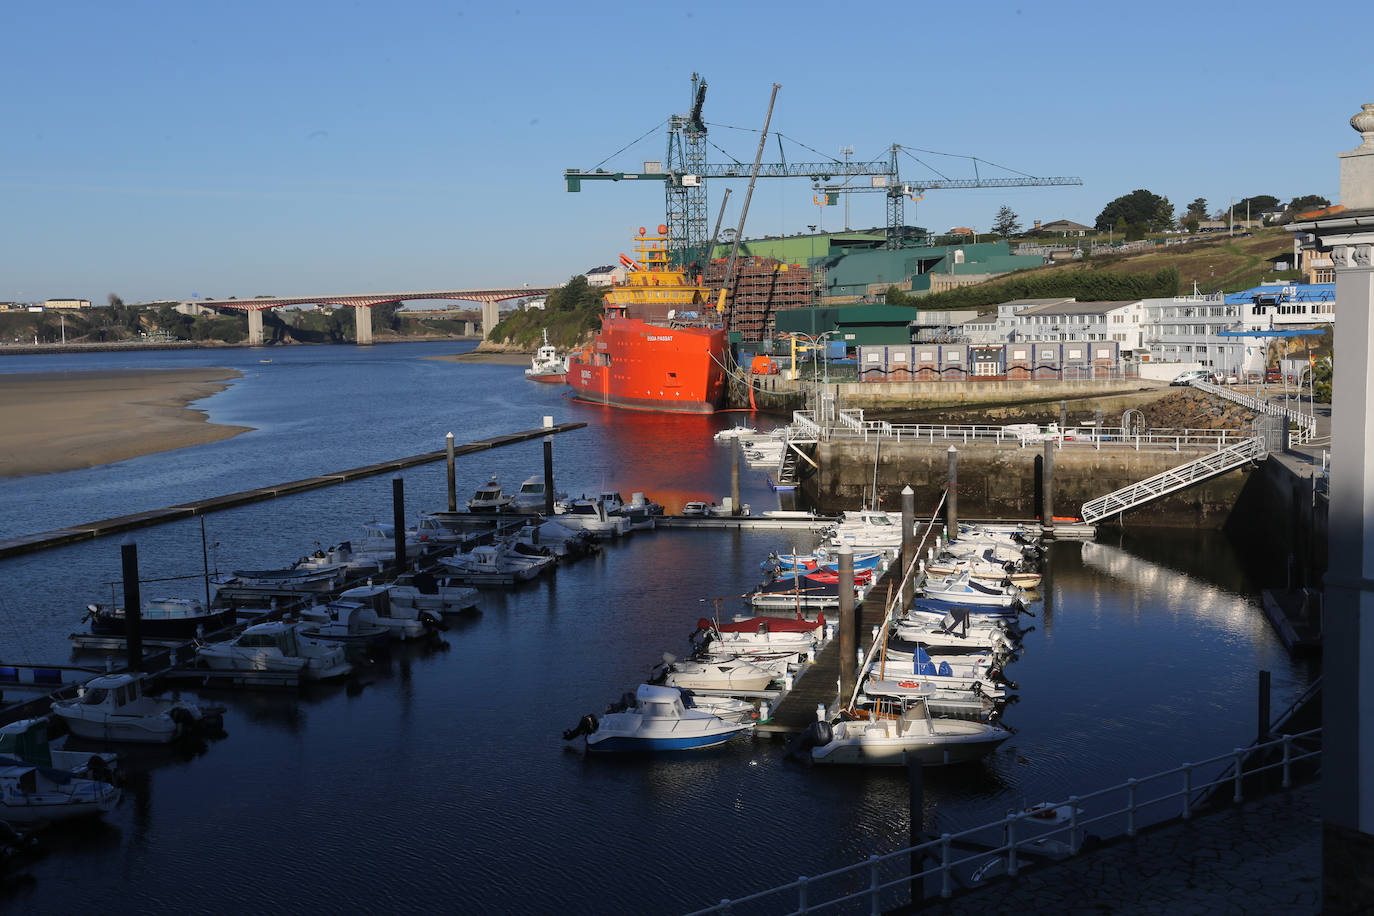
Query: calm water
point(438, 782)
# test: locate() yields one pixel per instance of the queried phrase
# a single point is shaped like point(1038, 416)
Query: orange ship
point(661, 345)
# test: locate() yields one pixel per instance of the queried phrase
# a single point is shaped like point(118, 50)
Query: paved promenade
point(1261, 857)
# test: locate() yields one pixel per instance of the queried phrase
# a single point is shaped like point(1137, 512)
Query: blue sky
point(165, 150)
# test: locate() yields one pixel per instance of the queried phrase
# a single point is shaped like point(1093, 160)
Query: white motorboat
point(591, 515)
point(422, 592)
point(276, 646)
point(658, 721)
point(967, 674)
point(891, 739)
point(377, 543)
point(114, 707)
point(954, 704)
point(489, 498)
point(546, 365)
point(867, 529)
point(729, 674)
point(934, 636)
point(347, 624)
point(531, 498)
point(735, 432)
point(493, 564)
point(552, 538)
point(761, 635)
point(696, 508)
point(430, 529)
point(731, 709)
point(25, 741)
point(985, 570)
point(30, 794)
point(640, 510)
point(962, 589)
point(404, 622)
point(320, 577)
point(338, 559)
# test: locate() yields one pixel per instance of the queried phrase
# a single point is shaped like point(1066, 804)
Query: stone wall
point(1002, 482)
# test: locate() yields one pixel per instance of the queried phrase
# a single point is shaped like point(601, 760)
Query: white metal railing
point(1172, 480)
point(892, 871)
point(1306, 423)
point(806, 429)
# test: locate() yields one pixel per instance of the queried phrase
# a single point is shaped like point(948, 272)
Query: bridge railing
point(850, 427)
point(1303, 425)
point(885, 881)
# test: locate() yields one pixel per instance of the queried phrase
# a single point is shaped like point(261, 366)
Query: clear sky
point(172, 149)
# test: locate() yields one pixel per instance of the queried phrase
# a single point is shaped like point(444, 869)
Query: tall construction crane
point(685, 170)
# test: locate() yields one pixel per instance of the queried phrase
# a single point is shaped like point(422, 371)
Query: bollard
point(952, 493)
point(909, 545)
point(452, 479)
point(133, 604)
point(787, 681)
point(398, 519)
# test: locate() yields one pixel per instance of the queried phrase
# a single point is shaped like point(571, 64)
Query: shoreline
point(66, 421)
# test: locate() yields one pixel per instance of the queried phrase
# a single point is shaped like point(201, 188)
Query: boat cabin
point(274, 635)
point(659, 702)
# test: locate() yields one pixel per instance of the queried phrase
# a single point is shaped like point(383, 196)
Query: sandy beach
point(62, 421)
point(496, 357)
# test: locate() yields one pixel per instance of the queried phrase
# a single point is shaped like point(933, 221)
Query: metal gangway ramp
point(1173, 480)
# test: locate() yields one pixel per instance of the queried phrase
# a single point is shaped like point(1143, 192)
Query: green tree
point(1006, 222)
point(1140, 206)
point(1254, 206)
point(1197, 210)
point(1307, 202)
point(114, 301)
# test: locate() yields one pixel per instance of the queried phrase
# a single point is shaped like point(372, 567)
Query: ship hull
point(636, 365)
point(554, 378)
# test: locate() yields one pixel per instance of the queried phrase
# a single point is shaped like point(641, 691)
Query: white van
point(1191, 376)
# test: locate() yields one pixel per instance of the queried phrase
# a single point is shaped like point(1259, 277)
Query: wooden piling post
point(133, 604)
point(398, 519)
point(848, 624)
point(452, 478)
point(1047, 490)
point(548, 470)
point(734, 478)
point(909, 557)
point(1063, 416)
point(952, 494)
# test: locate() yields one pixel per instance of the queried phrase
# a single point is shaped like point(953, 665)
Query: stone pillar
point(1047, 490)
point(255, 336)
point(490, 316)
point(362, 320)
point(909, 557)
point(1348, 619)
point(952, 493)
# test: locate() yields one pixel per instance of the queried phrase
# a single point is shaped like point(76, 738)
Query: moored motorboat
point(532, 497)
point(405, 621)
point(422, 591)
point(351, 625)
point(489, 498)
point(25, 741)
point(962, 589)
point(591, 515)
point(30, 795)
point(276, 646)
point(493, 564)
point(724, 674)
point(114, 707)
point(911, 734)
point(657, 721)
point(161, 618)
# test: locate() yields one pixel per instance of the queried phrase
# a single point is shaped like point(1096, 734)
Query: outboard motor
point(585, 726)
point(817, 734)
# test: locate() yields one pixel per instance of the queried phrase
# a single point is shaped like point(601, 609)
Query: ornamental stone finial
point(1363, 121)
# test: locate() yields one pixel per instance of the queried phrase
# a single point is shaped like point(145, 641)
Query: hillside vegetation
point(570, 314)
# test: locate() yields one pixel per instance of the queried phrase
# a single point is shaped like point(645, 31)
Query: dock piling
point(548, 470)
point(398, 519)
point(916, 820)
point(909, 545)
point(1264, 678)
point(734, 479)
point(133, 604)
point(952, 494)
point(1047, 489)
point(452, 478)
point(848, 623)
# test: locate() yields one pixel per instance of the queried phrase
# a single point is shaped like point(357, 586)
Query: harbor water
point(437, 781)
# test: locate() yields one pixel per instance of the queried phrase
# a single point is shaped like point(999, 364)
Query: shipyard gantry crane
point(685, 171)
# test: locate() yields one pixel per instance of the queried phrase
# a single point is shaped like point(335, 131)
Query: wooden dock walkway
point(816, 684)
point(31, 543)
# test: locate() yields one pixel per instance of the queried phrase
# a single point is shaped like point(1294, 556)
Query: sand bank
point(63, 421)
point(500, 358)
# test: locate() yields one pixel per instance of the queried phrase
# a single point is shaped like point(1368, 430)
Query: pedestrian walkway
point(1260, 857)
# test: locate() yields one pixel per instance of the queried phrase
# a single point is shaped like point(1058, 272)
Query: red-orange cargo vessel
point(661, 345)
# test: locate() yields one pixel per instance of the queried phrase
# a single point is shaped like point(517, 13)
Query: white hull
point(892, 742)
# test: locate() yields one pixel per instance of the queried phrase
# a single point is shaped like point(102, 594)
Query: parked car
point(1191, 376)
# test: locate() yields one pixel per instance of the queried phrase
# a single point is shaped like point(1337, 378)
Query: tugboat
point(661, 346)
point(546, 365)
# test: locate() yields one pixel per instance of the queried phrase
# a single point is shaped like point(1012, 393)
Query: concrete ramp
point(1173, 480)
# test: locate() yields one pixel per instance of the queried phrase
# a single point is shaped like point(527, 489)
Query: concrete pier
point(362, 321)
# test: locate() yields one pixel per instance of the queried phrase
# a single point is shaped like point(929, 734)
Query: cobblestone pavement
point(1261, 857)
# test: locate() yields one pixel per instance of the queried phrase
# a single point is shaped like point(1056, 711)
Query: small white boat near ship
point(546, 365)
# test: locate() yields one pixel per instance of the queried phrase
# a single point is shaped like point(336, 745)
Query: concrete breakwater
point(1003, 481)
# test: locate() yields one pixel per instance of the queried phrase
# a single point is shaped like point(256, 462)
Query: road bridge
point(361, 302)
